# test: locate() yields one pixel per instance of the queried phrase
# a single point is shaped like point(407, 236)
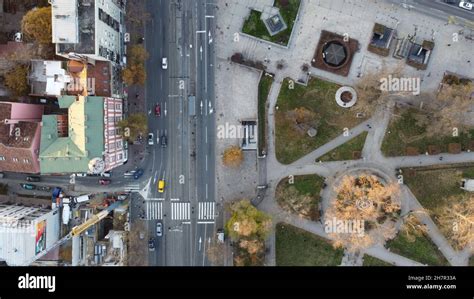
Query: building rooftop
point(74, 26)
point(84, 141)
point(48, 77)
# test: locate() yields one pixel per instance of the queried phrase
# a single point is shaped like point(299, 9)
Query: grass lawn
point(345, 151)
point(422, 250)
point(319, 98)
point(305, 197)
point(432, 187)
point(403, 131)
point(263, 90)
point(296, 247)
point(371, 261)
point(254, 25)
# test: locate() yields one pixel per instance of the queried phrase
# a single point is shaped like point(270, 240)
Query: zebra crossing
point(206, 212)
point(154, 210)
point(132, 188)
point(180, 211)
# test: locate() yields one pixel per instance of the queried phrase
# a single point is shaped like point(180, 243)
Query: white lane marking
point(206, 164)
point(206, 191)
point(206, 134)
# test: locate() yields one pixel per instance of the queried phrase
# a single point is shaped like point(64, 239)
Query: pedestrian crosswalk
point(206, 211)
point(154, 210)
point(132, 188)
point(180, 211)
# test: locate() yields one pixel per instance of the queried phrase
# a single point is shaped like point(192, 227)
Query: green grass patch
point(404, 131)
point(263, 90)
point(371, 261)
point(300, 195)
point(345, 151)
point(422, 250)
point(256, 27)
point(330, 119)
point(296, 247)
point(471, 261)
point(433, 187)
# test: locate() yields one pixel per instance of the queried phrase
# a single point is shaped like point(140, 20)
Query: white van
point(81, 199)
point(66, 214)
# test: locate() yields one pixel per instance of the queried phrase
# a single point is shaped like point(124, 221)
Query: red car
point(104, 182)
point(157, 110)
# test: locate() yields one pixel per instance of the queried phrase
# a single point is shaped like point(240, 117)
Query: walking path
point(372, 159)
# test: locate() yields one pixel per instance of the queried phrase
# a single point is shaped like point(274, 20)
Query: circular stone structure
point(334, 54)
point(346, 97)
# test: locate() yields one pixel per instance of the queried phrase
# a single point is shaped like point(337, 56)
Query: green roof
point(85, 139)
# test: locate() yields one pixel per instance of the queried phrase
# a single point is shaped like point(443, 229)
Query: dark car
point(44, 188)
point(33, 178)
point(138, 174)
point(104, 182)
point(151, 244)
point(28, 186)
point(164, 141)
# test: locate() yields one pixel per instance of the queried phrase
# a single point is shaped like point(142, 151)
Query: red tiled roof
point(101, 72)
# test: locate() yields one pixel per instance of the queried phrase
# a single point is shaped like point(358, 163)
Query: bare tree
point(456, 220)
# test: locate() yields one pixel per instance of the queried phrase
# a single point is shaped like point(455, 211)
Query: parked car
point(129, 173)
point(164, 63)
point(164, 141)
point(104, 182)
point(28, 186)
point(31, 178)
point(150, 139)
point(220, 236)
point(82, 175)
point(138, 174)
point(465, 5)
point(44, 188)
point(161, 186)
point(159, 229)
point(106, 174)
point(142, 235)
point(151, 244)
point(157, 110)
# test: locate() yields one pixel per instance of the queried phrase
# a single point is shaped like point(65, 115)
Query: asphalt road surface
point(437, 8)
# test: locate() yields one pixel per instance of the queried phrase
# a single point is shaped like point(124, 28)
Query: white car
point(164, 63)
point(465, 5)
point(82, 175)
point(150, 139)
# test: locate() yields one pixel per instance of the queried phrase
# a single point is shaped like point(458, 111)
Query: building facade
point(26, 232)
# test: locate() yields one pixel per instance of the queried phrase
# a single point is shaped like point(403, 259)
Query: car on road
point(33, 178)
point(151, 244)
point(164, 63)
point(106, 174)
point(158, 110)
point(138, 174)
point(104, 182)
point(161, 186)
point(466, 5)
point(220, 236)
point(159, 229)
point(44, 188)
point(82, 175)
point(28, 186)
point(150, 139)
point(164, 141)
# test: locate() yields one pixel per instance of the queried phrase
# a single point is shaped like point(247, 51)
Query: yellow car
point(161, 186)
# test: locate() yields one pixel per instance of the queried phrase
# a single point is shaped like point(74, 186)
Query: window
point(119, 144)
point(118, 106)
point(111, 132)
point(15, 159)
point(2, 158)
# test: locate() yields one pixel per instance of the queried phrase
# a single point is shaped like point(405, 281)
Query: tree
point(449, 108)
point(247, 222)
point(412, 227)
point(135, 72)
point(233, 157)
point(16, 80)
point(133, 126)
point(456, 220)
point(36, 25)
point(368, 203)
point(136, 13)
point(371, 95)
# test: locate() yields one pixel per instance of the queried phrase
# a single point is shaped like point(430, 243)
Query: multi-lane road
point(181, 31)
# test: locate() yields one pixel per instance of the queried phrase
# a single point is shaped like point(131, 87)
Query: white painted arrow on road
point(200, 50)
point(200, 241)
